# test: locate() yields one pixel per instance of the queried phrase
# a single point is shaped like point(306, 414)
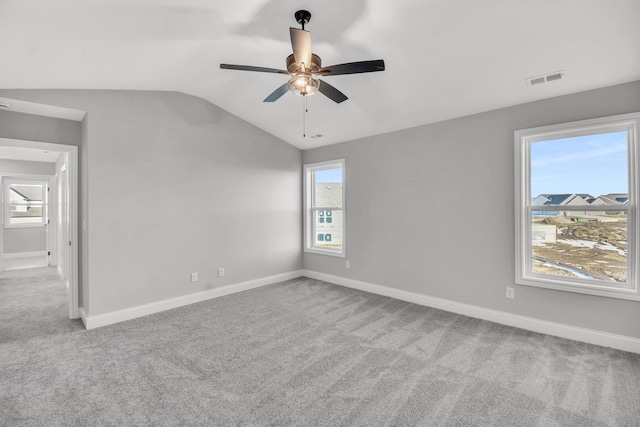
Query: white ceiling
point(444, 58)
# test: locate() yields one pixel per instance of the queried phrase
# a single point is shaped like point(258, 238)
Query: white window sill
point(328, 252)
point(620, 291)
point(27, 225)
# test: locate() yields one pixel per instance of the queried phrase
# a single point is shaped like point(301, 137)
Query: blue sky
point(329, 175)
point(592, 164)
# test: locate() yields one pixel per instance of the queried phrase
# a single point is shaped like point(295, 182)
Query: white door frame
point(72, 187)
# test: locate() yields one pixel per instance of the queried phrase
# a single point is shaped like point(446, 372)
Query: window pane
point(324, 207)
point(26, 202)
point(589, 170)
point(576, 171)
point(328, 234)
point(573, 244)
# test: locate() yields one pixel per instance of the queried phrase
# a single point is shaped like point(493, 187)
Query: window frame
point(7, 182)
point(310, 208)
point(523, 206)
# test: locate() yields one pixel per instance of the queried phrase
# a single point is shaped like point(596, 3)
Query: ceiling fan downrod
point(303, 17)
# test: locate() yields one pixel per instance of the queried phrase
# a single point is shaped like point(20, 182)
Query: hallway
point(33, 303)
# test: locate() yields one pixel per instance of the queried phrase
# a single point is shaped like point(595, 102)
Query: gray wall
point(174, 185)
point(17, 240)
point(38, 128)
point(430, 210)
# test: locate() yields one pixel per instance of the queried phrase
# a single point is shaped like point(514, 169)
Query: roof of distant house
point(566, 199)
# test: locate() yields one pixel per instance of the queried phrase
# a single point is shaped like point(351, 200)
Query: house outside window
point(324, 208)
point(576, 194)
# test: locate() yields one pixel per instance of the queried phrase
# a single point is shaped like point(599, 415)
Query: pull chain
point(304, 116)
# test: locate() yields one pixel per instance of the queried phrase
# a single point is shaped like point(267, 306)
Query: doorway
point(61, 221)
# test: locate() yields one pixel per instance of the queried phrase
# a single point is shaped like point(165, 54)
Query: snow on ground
point(592, 245)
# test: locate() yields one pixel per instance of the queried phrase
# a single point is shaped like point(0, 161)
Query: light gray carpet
point(307, 353)
point(33, 302)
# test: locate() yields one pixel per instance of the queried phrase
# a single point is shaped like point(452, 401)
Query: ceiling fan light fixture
point(304, 84)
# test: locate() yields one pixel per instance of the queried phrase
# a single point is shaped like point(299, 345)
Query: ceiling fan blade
point(331, 92)
point(352, 68)
point(276, 94)
point(252, 68)
point(301, 44)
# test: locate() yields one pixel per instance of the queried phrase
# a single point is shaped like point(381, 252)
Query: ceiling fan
point(305, 67)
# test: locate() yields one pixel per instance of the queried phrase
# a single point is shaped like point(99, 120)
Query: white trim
point(329, 252)
point(523, 206)
point(74, 238)
point(590, 336)
point(1, 224)
point(309, 207)
point(110, 318)
point(15, 255)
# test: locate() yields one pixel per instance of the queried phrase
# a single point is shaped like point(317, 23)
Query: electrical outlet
point(194, 277)
point(510, 293)
point(220, 272)
point(348, 264)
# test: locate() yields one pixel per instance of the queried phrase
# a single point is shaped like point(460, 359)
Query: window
point(26, 203)
point(324, 208)
point(577, 195)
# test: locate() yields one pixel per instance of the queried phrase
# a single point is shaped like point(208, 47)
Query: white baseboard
point(15, 255)
point(91, 322)
point(590, 336)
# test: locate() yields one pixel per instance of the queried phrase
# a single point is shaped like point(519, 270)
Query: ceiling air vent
point(533, 81)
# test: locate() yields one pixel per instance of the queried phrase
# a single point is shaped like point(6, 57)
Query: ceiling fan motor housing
point(293, 67)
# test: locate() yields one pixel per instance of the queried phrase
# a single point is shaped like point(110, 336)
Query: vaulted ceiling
point(444, 58)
